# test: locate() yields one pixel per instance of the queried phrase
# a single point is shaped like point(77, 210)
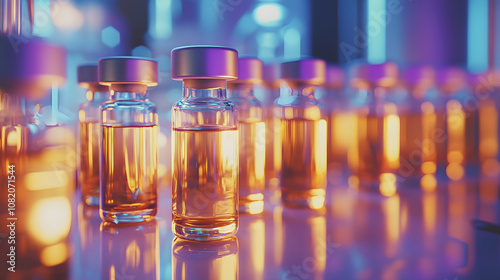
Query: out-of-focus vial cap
point(128, 70)
point(88, 77)
point(370, 75)
point(334, 77)
point(418, 75)
point(249, 71)
point(32, 67)
point(271, 75)
point(485, 82)
point(451, 79)
point(308, 71)
point(204, 62)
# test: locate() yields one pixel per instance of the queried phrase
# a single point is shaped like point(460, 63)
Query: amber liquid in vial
point(273, 147)
point(339, 140)
point(378, 149)
point(129, 179)
point(303, 175)
point(89, 162)
point(252, 166)
point(205, 182)
point(411, 144)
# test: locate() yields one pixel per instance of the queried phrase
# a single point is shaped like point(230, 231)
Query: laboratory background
point(371, 151)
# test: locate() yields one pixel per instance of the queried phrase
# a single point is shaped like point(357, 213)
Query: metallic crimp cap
point(334, 77)
point(271, 75)
point(416, 75)
point(204, 62)
point(384, 74)
point(128, 70)
point(311, 71)
point(31, 67)
point(88, 77)
point(485, 82)
point(249, 71)
point(451, 76)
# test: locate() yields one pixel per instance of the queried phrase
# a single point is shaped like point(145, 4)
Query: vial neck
point(302, 90)
point(378, 93)
point(240, 90)
point(98, 96)
point(204, 89)
point(129, 92)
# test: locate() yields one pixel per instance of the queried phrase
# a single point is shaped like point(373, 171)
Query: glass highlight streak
point(88, 175)
point(205, 182)
point(252, 166)
point(129, 179)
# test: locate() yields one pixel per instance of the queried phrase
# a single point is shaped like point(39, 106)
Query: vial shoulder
point(205, 104)
point(298, 102)
point(128, 104)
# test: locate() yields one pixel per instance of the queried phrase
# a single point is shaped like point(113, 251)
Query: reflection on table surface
point(444, 231)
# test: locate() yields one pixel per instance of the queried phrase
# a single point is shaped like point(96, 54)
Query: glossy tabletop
point(448, 231)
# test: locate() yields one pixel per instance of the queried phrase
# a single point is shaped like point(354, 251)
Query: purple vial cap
point(271, 75)
point(334, 77)
point(88, 77)
point(31, 67)
point(249, 71)
point(384, 74)
point(484, 82)
point(310, 71)
point(451, 77)
point(128, 70)
point(204, 62)
point(420, 74)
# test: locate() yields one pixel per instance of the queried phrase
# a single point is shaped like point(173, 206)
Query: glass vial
point(376, 157)
point(89, 129)
point(129, 152)
point(252, 133)
point(340, 124)
point(272, 84)
point(462, 124)
point(204, 144)
point(485, 87)
point(421, 124)
point(303, 134)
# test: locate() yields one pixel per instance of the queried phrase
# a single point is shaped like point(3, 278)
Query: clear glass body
point(205, 260)
point(462, 130)
point(421, 125)
point(130, 251)
point(14, 142)
point(303, 134)
point(88, 146)
point(489, 131)
point(376, 157)
point(252, 146)
point(205, 162)
point(129, 156)
point(341, 125)
point(273, 138)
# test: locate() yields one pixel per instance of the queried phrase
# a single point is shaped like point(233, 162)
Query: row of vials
point(381, 131)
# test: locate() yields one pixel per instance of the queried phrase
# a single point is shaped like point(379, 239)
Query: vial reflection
point(253, 243)
point(88, 227)
point(130, 251)
point(205, 260)
point(304, 244)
